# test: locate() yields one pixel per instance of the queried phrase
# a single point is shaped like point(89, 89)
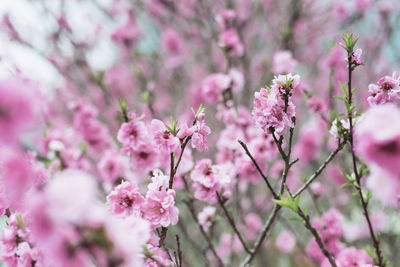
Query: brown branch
point(320, 169)
point(364, 203)
point(232, 223)
point(258, 169)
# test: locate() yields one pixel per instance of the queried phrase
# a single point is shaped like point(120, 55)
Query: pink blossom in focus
point(126, 199)
point(163, 138)
point(159, 208)
point(208, 179)
point(111, 166)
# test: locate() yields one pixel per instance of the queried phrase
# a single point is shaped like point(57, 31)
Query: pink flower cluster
point(229, 38)
point(158, 207)
point(209, 179)
point(273, 110)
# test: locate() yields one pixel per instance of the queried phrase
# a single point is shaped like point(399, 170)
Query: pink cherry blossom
point(126, 199)
point(163, 138)
point(159, 208)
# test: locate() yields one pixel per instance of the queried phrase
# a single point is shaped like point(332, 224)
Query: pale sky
point(28, 18)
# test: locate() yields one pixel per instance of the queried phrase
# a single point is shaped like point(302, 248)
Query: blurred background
point(157, 54)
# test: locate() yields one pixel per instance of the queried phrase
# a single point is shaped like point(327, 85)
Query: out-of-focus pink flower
point(310, 141)
point(254, 225)
point(330, 225)
point(67, 191)
point(384, 185)
point(159, 208)
point(317, 105)
point(126, 199)
point(111, 166)
point(286, 241)
point(206, 216)
point(120, 80)
point(349, 257)
point(229, 40)
point(16, 176)
point(208, 179)
point(173, 44)
point(18, 107)
point(378, 137)
point(283, 62)
point(237, 80)
point(317, 188)
point(127, 34)
point(128, 236)
point(225, 18)
point(213, 86)
point(363, 5)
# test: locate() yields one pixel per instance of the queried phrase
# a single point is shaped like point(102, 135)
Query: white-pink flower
point(159, 208)
point(126, 199)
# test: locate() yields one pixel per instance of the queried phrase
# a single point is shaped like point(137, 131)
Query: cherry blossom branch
point(317, 236)
point(258, 168)
point(275, 212)
point(232, 223)
point(364, 202)
point(190, 204)
point(266, 230)
point(173, 171)
point(178, 245)
point(320, 169)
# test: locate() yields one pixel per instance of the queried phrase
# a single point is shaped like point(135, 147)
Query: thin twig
point(364, 203)
point(232, 223)
point(320, 169)
point(189, 204)
point(266, 230)
point(258, 169)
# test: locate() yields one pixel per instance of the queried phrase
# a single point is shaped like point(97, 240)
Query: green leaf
point(145, 96)
point(340, 98)
point(346, 185)
point(344, 89)
point(296, 219)
point(20, 222)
